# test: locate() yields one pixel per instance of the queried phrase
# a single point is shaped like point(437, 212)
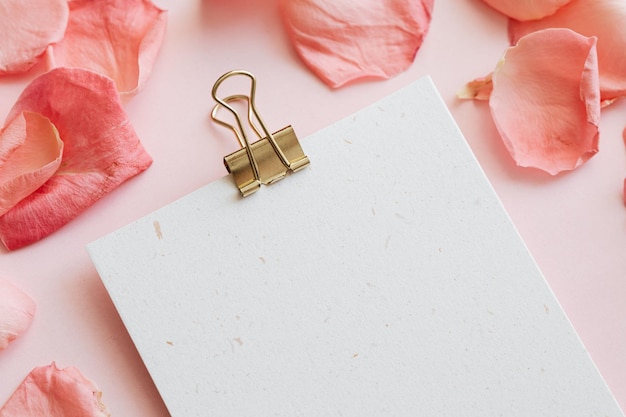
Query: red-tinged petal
point(545, 100)
point(27, 28)
point(344, 41)
point(116, 38)
point(604, 19)
point(478, 89)
point(30, 152)
point(53, 392)
point(16, 312)
point(527, 9)
point(101, 151)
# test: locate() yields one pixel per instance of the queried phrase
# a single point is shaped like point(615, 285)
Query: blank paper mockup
point(385, 279)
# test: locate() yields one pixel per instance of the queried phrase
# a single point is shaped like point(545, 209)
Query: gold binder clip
point(268, 159)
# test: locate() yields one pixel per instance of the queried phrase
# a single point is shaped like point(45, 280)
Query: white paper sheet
point(384, 280)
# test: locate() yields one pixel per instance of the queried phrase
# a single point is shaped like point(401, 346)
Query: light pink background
point(574, 224)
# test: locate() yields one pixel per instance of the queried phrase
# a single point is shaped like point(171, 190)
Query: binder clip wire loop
point(266, 160)
point(240, 133)
point(240, 138)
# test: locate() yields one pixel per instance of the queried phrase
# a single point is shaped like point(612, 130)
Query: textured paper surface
point(383, 280)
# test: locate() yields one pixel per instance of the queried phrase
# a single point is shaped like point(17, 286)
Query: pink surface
point(574, 223)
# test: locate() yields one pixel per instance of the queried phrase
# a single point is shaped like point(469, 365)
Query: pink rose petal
point(545, 100)
point(52, 392)
point(16, 312)
point(27, 27)
point(478, 89)
point(117, 38)
point(527, 9)
point(604, 19)
point(30, 152)
point(344, 41)
point(101, 151)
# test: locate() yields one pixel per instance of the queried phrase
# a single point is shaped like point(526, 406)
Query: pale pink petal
point(30, 152)
point(52, 392)
point(27, 27)
point(478, 89)
point(101, 151)
point(604, 19)
point(344, 41)
point(527, 9)
point(16, 312)
point(116, 38)
point(545, 100)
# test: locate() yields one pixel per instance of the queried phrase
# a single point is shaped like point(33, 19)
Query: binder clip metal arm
point(266, 160)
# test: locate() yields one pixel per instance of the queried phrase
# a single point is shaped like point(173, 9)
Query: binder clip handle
point(266, 160)
point(252, 184)
point(239, 136)
point(251, 110)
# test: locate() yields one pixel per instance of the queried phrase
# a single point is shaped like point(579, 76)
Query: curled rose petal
point(27, 28)
point(53, 392)
point(604, 19)
point(16, 312)
point(30, 152)
point(545, 100)
point(478, 89)
point(346, 41)
point(526, 9)
point(116, 38)
point(101, 150)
